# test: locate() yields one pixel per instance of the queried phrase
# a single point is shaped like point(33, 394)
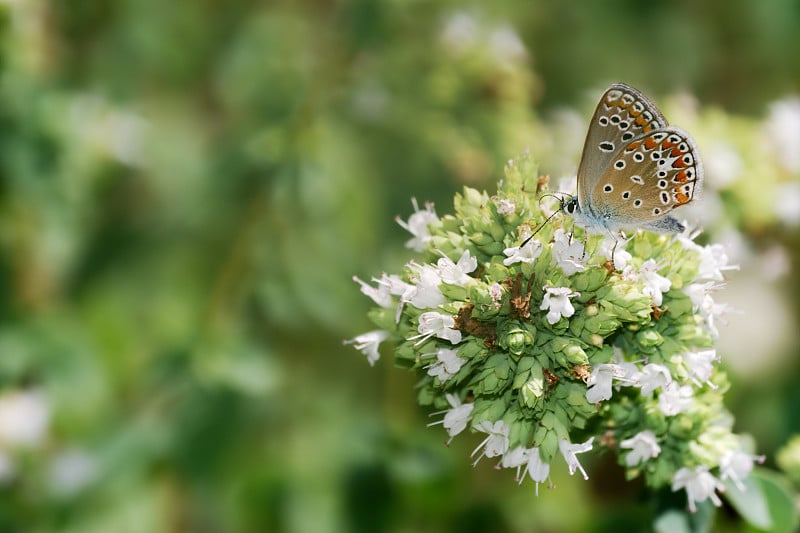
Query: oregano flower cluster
point(568, 343)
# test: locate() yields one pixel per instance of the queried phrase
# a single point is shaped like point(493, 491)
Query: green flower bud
point(649, 337)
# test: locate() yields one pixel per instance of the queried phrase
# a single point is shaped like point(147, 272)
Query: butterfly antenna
point(543, 224)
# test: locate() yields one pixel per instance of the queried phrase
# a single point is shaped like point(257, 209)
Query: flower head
point(499, 333)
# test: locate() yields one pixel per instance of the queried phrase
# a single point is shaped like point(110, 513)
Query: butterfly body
point(635, 168)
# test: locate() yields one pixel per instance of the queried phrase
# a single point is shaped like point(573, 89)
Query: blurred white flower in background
point(782, 130)
point(787, 201)
point(723, 165)
point(24, 418)
point(71, 471)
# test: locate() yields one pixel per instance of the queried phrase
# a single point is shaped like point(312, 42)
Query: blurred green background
point(187, 188)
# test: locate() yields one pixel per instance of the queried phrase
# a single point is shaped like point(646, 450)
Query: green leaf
point(672, 521)
point(767, 503)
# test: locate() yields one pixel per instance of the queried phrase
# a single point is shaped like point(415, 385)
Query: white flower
point(426, 293)
point(783, 132)
point(497, 441)
point(387, 286)
point(600, 381)
point(505, 207)
point(516, 458)
point(621, 257)
point(447, 364)
point(556, 302)
point(436, 324)
point(394, 286)
point(699, 484)
point(368, 343)
point(787, 203)
point(71, 471)
point(654, 284)
point(459, 32)
point(496, 294)
point(722, 164)
point(704, 304)
point(568, 254)
point(643, 446)
point(736, 466)
point(506, 46)
point(524, 254)
point(456, 273)
point(418, 224)
point(652, 377)
point(570, 451)
point(7, 468)
point(713, 260)
point(455, 419)
point(675, 399)
point(700, 365)
point(24, 418)
point(538, 470)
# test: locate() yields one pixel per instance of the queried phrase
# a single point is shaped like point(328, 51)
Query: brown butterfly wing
point(622, 114)
point(648, 178)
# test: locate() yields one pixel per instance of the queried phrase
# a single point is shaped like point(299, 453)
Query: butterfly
point(635, 168)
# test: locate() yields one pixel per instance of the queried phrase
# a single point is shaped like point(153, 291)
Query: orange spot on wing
point(666, 144)
point(678, 163)
point(649, 143)
point(675, 152)
point(680, 177)
point(640, 120)
point(633, 146)
point(680, 197)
